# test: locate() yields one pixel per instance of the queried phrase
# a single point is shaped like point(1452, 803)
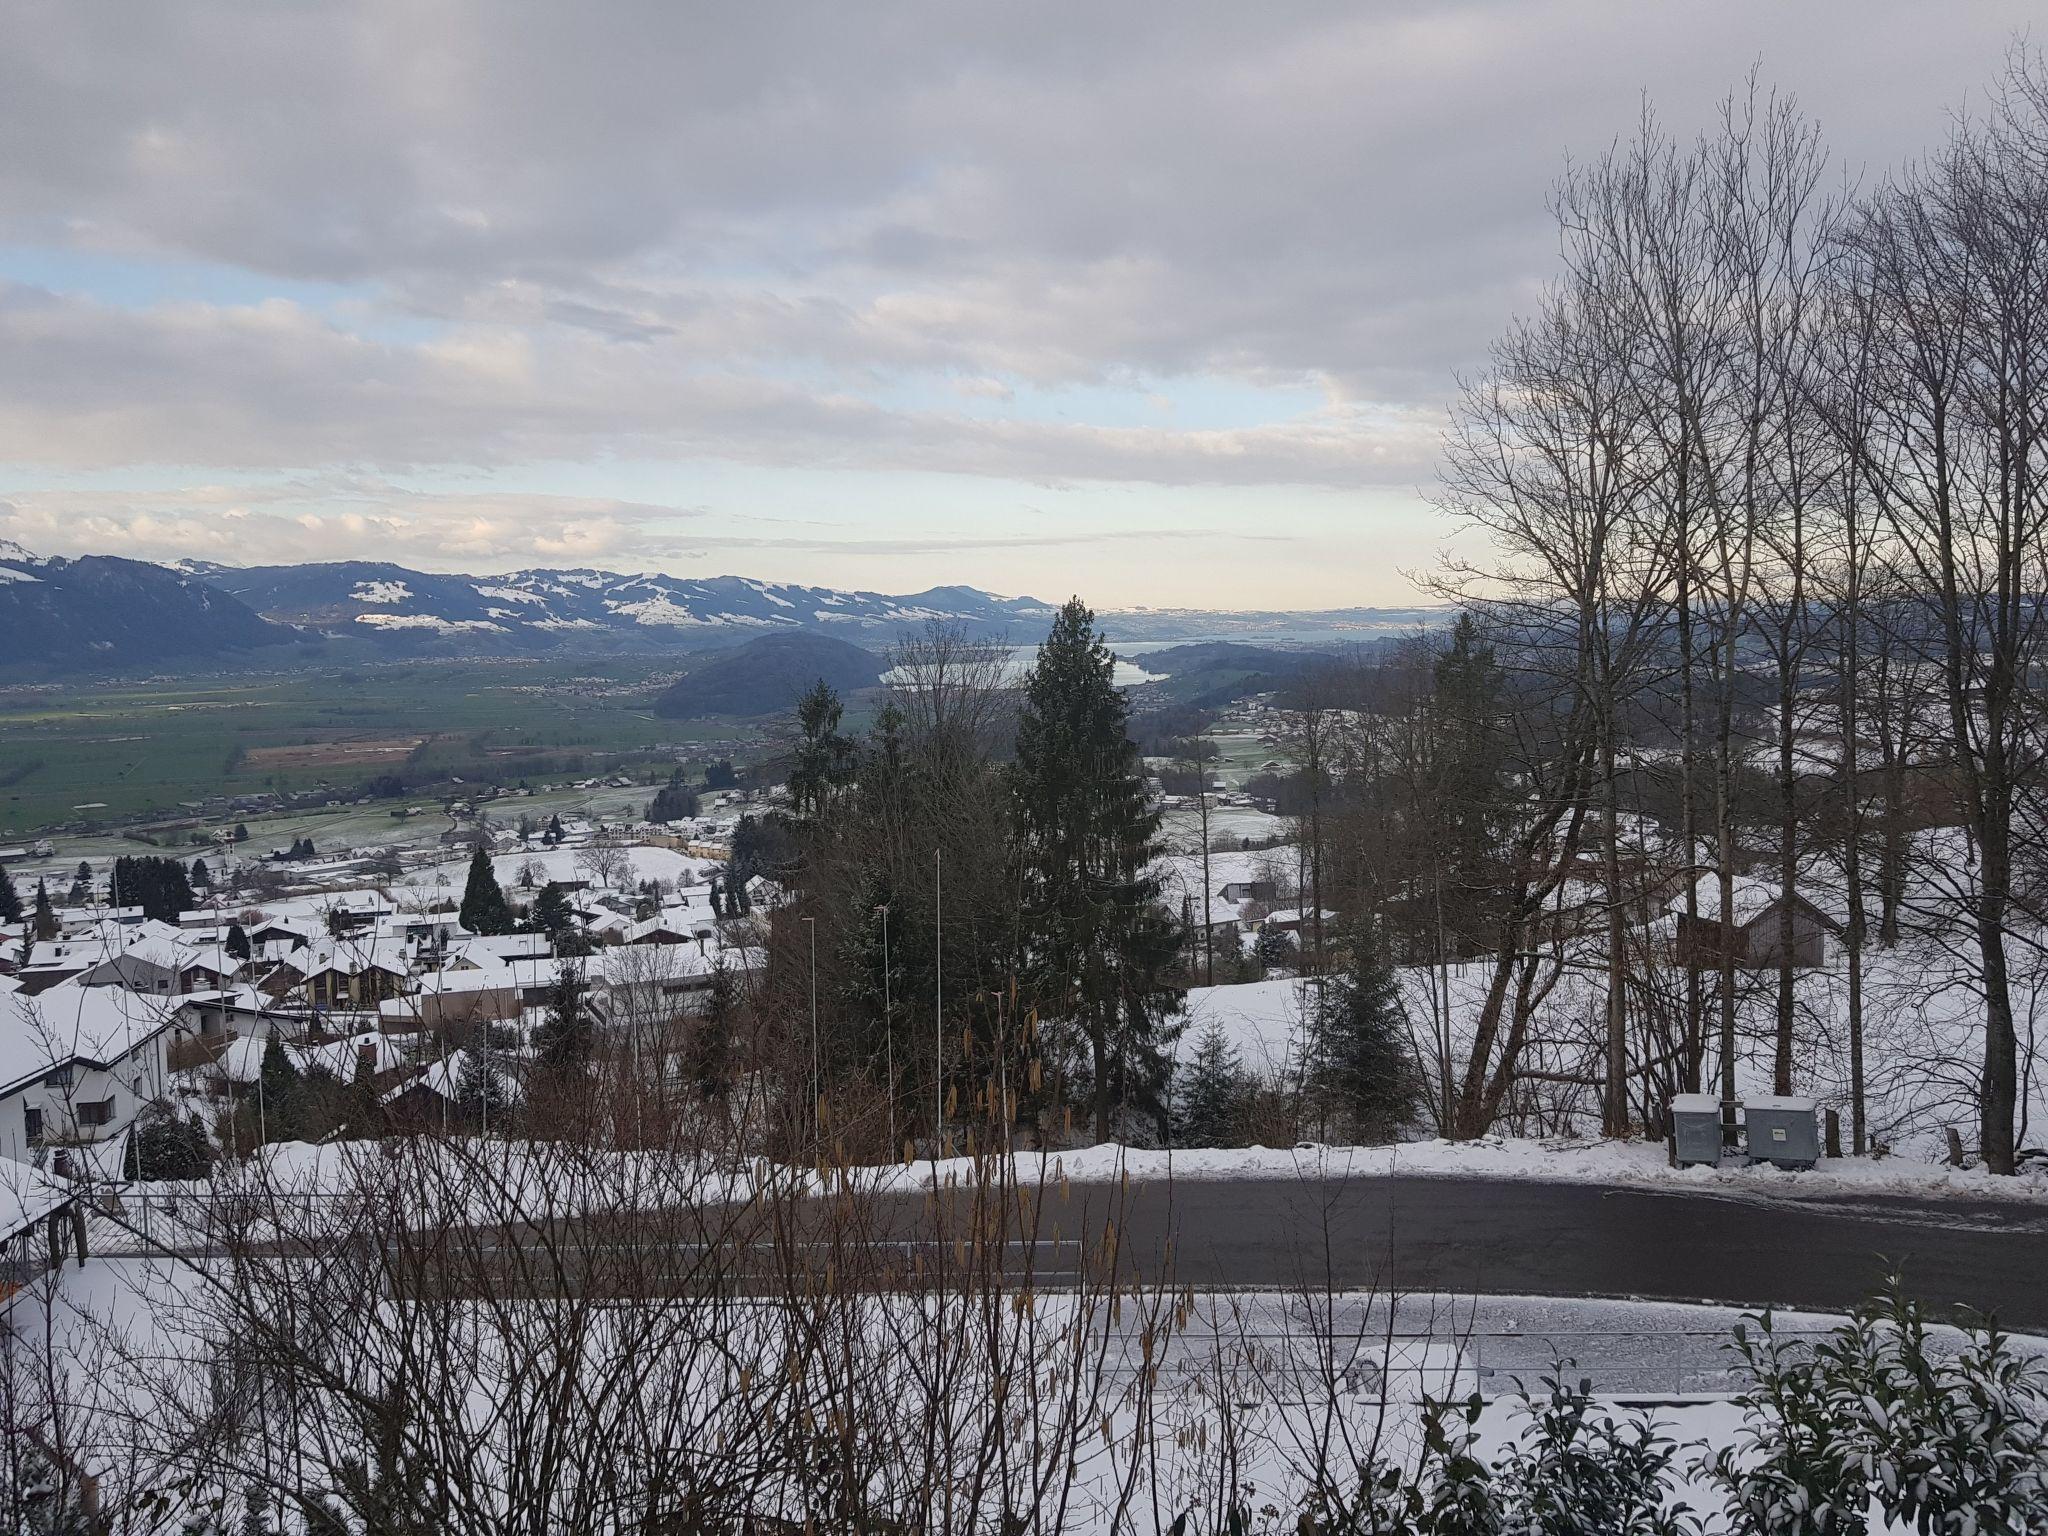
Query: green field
point(145, 747)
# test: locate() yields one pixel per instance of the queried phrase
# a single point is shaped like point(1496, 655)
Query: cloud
point(842, 239)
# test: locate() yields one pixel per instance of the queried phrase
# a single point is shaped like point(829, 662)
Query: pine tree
point(10, 899)
point(824, 758)
point(158, 885)
point(202, 877)
point(365, 1109)
point(1359, 1065)
point(552, 913)
point(1098, 946)
point(484, 908)
point(44, 924)
point(710, 1056)
point(241, 832)
point(675, 801)
point(280, 1087)
point(237, 943)
point(554, 834)
point(479, 1087)
point(161, 1146)
point(1210, 1102)
point(564, 1036)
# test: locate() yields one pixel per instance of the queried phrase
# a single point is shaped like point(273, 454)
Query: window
point(99, 1112)
point(32, 1119)
point(59, 1077)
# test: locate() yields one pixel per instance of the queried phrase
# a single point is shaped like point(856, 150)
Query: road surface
point(1524, 1237)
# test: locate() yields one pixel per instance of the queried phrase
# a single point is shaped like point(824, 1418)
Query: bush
point(165, 1147)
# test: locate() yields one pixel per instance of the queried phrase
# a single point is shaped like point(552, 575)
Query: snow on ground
point(1560, 1161)
point(447, 878)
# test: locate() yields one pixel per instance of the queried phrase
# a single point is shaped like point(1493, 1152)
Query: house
point(1757, 934)
point(151, 957)
point(1248, 890)
point(77, 1064)
point(654, 983)
point(348, 975)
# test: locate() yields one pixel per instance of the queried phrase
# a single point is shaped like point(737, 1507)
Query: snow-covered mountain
point(552, 606)
point(98, 611)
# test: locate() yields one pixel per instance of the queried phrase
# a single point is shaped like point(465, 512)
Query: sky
point(1160, 303)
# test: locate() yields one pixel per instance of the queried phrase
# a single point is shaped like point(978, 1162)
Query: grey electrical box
point(1782, 1131)
point(1696, 1128)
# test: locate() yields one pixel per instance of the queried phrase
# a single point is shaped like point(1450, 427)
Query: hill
point(101, 612)
point(590, 609)
point(766, 676)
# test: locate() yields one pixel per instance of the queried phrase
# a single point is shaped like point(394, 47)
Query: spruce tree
point(44, 924)
point(280, 1089)
point(674, 801)
point(1359, 1064)
point(1209, 1103)
point(710, 1057)
point(10, 899)
point(484, 908)
point(552, 913)
point(564, 1036)
point(202, 877)
point(1098, 946)
point(824, 758)
point(237, 942)
point(479, 1087)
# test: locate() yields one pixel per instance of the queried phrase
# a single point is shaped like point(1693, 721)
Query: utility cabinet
point(1696, 1129)
point(1783, 1131)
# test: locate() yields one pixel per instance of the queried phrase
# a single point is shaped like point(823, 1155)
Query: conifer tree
point(10, 899)
point(237, 942)
point(1209, 1103)
point(44, 924)
point(202, 877)
point(711, 1042)
point(564, 1036)
point(279, 1086)
point(484, 908)
point(824, 758)
point(1098, 946)
point(479, 1086)
point(552, 913)
point(1359, 1066)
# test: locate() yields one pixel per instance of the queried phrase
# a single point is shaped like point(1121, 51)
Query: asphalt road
point(1521, 1237)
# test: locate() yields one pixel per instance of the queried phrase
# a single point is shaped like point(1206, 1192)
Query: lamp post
point(888, 1029)
point(812, 923)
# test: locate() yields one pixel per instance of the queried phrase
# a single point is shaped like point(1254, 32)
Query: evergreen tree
point(717, 898)
point(161, 1146)
point(158, 885)
point(484, 908)
point(44, 924)
point(479, 1086)
point(710, 1058)
point(564, 1035)
point(81, 885)
point(281, 1090)
point(1098, 946)
point(1359, 1064)
point(1210, 1102)
point(824, 758)
point(202, 877)
point(363, 1107)
point(721, 775)
point(241, 832)
point(10, 899)
point(237, 943)
point(552, 913)
point(675, 801)
point(554, 833)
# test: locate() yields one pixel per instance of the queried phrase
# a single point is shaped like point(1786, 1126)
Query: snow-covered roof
point(27, 1195)
point(97, 1025)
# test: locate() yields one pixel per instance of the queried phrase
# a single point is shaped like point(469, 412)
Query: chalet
point(1757, 930)
point(1248, 890)
point(77, 1064)
point(351, 976)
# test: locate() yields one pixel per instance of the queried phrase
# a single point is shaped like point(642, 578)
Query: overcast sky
point(1160, 303)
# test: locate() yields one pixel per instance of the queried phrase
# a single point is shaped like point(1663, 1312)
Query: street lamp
point(888, 1029)
point(812, 923)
